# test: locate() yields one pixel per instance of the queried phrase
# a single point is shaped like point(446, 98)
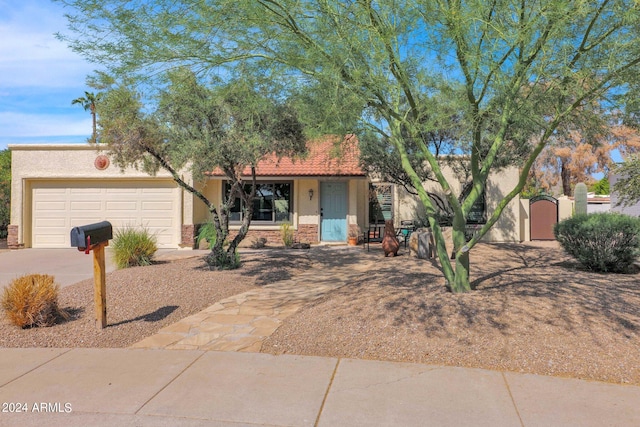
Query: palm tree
point(88, 102)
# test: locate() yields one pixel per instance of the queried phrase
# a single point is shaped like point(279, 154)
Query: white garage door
point(58, 206)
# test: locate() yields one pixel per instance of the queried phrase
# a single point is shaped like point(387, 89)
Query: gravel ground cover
point(142, 300)
point(534, 310)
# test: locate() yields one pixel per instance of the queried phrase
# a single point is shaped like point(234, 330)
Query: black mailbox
point(86, 236)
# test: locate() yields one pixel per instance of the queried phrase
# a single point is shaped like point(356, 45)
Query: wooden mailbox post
point(95, 237)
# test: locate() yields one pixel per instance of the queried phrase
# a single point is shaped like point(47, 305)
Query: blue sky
point(39, 77)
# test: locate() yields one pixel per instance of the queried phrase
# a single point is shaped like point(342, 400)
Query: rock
point(421, 244)
point(300, 246)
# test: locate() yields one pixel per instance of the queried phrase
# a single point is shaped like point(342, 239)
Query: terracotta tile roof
point(325, 157)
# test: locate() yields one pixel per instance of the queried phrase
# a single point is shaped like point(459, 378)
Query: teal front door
point(333, 211)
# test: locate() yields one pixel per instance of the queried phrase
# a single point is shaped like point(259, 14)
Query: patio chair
point(404, 232)
point(374, 234)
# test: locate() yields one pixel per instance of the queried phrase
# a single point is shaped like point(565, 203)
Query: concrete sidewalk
point(139, 387)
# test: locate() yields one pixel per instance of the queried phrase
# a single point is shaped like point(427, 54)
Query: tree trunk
point(457, 277)
point(227, 260)
point(219, 258)
point(94, 135)
point(460, 281)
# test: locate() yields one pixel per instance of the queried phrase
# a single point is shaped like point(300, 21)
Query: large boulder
point(421, 243)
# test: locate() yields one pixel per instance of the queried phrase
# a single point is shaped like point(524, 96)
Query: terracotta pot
point(390, 243)
point(352, 241)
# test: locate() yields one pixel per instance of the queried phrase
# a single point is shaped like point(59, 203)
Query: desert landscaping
point(533, 310)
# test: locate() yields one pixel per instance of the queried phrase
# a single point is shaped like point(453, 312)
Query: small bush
point(207, 232)
point(286, 233)
point(222, 260)
point(605, 242)
point(32, 300)
point(133, 247)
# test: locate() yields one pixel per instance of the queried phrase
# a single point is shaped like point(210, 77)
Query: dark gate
point(543, 214)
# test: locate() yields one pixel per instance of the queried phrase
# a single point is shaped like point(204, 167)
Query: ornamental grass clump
point(133, 247)
point(604, 242)
point(207, 232)
point(32, 300)
point(286, 233)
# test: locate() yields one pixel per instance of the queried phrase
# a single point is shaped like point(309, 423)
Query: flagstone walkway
point(242, 322)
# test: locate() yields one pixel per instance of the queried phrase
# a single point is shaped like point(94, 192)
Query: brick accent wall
point(306, 233)
point(12, 237)
point(188, 239)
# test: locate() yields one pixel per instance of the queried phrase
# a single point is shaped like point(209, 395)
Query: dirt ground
point(534, 310)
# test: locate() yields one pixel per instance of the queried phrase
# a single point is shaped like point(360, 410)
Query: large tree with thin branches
point(201, 127)
point(495, 59)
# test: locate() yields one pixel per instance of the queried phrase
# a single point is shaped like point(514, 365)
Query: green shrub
point(133, 247)
point(222, 260)
point(207, 231)
point(286, 233)
point(32, 300)
point(605, 242)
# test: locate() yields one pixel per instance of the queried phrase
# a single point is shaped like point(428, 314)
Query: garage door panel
point(50, 206)
point(122, 190)
point(157, 206)
point(156, 190)
point(127, 223)
point(121, 206)
point(50, 222)
point(162, 240)
point(86, 191)
point(60, 206)
point(48, 190)
point(157, 222)
point(95, 205)
point(78, 221)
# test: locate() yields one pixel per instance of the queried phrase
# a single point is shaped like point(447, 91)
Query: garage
point(59, 205)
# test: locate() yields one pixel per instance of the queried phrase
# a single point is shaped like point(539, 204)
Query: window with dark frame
point(380, 203)
point(273, 203)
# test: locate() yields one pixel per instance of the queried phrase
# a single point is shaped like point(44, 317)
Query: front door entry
point(333, 211)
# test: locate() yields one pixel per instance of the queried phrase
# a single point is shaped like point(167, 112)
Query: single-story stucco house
point(57, 187)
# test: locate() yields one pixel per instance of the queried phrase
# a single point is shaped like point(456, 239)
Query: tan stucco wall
point(565, 208)
point(211, 190)
point(67, 162)
point(507, 228)
point(525, 220)
point(363, 203)
point(307, 211)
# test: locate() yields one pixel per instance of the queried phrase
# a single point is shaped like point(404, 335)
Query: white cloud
point(39, 76)
point(22, 125)
point(30, 55)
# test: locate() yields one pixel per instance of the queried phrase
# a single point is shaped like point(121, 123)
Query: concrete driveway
point(68, 266)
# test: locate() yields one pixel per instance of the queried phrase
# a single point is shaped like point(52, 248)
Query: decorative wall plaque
point(101, 162)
